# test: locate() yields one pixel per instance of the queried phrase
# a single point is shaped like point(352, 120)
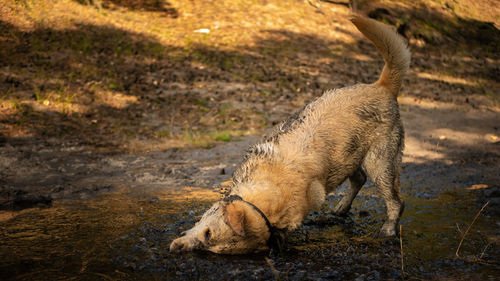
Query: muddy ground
point(74, 212)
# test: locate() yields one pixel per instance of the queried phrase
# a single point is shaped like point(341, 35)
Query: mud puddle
point(82, 239)
point(125, 234)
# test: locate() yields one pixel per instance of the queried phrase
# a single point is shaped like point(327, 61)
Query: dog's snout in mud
point(183, 244)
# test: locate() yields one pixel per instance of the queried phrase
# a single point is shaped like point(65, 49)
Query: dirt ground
point(150, 198)
point(109, 150)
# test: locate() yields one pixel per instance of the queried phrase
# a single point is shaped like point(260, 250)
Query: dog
point(347, 133)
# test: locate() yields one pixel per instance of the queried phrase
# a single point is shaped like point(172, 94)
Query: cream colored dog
point(345, 134)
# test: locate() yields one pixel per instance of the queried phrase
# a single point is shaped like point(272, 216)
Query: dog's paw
point(387, 230)
point(341, 210)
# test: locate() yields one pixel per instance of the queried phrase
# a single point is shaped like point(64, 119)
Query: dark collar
point(276, 236)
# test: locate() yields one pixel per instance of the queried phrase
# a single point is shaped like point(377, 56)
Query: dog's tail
point(393, 48)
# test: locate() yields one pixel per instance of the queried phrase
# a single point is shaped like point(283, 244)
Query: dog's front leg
point(316, 195)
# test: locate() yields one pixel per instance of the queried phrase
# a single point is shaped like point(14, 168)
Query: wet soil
point(72, 212)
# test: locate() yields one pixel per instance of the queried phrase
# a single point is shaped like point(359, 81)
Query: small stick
point(459, 230)
point(402, 253)
point(468, 228)
point(484, 250)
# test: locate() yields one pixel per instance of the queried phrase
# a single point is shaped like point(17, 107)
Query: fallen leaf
point(491, 138)
point(203, 30)
point(477, 186)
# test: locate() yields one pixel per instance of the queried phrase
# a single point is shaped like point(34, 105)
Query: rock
point(361, 277)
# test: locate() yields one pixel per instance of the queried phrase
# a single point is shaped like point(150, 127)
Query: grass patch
point(222, 136)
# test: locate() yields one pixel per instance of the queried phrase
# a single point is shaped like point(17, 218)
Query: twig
point(459, 230)
point(402, 253)
point(484, 250)
point(273, 269)
point(468, 228)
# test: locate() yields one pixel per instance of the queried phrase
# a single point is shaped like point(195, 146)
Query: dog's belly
point(334, 181)
point(340, 169)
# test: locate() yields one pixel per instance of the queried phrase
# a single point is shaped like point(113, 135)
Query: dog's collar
point(275, 234)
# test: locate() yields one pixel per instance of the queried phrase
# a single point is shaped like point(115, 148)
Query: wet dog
point(347, 133)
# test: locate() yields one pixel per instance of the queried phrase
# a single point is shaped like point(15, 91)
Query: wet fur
point(347, 133)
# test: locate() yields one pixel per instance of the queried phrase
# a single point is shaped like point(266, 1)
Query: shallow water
point(125, 234)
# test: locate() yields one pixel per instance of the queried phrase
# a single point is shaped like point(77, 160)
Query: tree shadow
point(438, 27)
point(455, 62)
point(71, 68)
point(91, 82)
point(106, 82)
point(161, 6)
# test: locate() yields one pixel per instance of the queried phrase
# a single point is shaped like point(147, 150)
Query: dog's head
point(228, 227)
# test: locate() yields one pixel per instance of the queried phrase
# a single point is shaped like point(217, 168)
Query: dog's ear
point(234, 216)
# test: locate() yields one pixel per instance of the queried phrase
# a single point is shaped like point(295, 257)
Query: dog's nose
point(183, 244)
point(177, 246)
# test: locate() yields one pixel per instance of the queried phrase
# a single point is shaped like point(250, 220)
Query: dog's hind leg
point(356, 181)
point(382, 164)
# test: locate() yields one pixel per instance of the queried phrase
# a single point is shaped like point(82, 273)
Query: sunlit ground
point(148, 75)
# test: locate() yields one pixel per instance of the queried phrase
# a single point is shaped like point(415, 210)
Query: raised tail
point(393, 48)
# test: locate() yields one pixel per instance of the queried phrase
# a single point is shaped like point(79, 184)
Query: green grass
point(222, 136)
